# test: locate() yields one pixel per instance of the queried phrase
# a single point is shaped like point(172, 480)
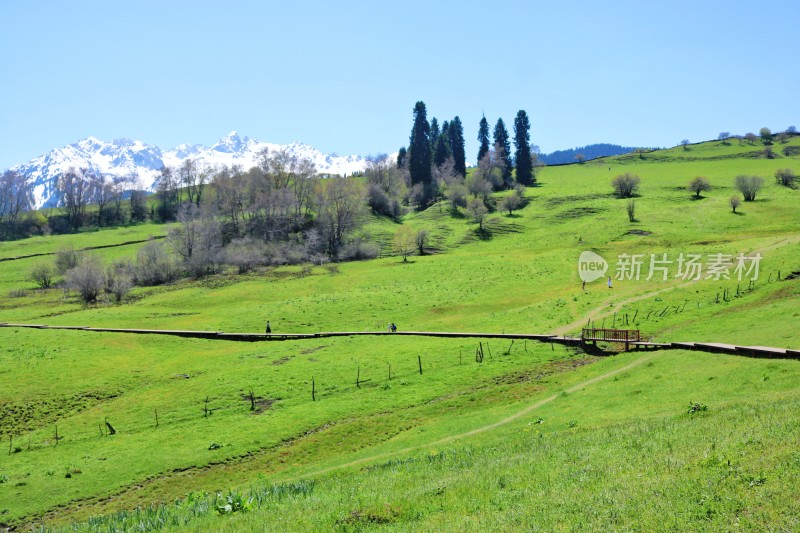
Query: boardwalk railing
point(611, 335)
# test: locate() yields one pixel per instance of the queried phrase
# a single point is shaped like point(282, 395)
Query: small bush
point(699, 185)
point(734, 202)
point(88, 279)
point(42, 275)
point(67, 259)
point(359, 250)
point(786, 177)
point(625, 185)
point(696, 407)
point(631, 209)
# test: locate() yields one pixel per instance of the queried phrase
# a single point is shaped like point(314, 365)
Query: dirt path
point(482, 429)
point(604, 310)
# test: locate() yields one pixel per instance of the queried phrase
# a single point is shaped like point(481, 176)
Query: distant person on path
point(269, 329)
point(389, 327)
point(583, 286)
point(394, 328)
point(609, 283)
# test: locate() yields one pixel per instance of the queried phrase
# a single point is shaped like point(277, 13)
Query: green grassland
point(535, 437)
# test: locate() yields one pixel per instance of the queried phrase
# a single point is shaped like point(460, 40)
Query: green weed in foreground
point(731, 468)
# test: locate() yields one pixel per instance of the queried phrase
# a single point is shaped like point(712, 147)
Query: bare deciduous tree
point(88, 279)
point(625, 185)
point(16, 197)
point(456, 194)
point(685, 143)
point(340, 207)
point(477, 210)
point(76, 190)
point(404, 242)
point(734, 202)
point(748, 186)
point(421, 239)
point(699, 185)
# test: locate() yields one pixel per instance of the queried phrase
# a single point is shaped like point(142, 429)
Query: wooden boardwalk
point(713, 347)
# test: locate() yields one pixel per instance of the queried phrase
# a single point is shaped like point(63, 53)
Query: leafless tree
point(477, 210)
point(167, 193)
point(197, 240)
point(750, 137)
point(154, 264)
point(76, 189)
point(340, 205)
point(16, 197)
point(699, 185)
point(456, 193)
point(492, 167)
point(580, 158)
point(404, 241)
point(734, 202)
point(685, 143)
point(625, 185)
point(513, 201)
point(88, 279)
point(421, 240)
point(724, 136)
point(748, 186)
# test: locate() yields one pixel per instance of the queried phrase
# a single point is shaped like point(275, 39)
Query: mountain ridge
point(128, 157)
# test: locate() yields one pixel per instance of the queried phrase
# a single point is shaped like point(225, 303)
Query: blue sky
point(344, 76)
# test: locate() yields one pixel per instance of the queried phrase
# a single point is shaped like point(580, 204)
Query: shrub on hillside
point(88, 279)
point(246, 254)
point(734, 202)
point(748, 186)
point(699, 185)
point(66, 259)
point(625, 185)
point(42, 275)
point(154, 265)
point(358, 250)
point(785, 176)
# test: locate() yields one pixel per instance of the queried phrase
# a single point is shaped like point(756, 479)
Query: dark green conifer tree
point(501, 140)
point(401, 157)
point(483, 138)
point(522, 142)
point(456, 135)
point(419, 152)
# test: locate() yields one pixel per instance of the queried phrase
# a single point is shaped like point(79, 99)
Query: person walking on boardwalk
point(269, 329)
point(394, 328)
point(609, 282)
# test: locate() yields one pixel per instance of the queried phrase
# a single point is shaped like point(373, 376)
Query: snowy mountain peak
point(127, 157)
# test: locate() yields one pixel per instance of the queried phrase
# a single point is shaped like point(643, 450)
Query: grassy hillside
point(459, 446)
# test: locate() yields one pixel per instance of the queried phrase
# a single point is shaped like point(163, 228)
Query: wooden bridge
point(631, 338)
point(611, 335)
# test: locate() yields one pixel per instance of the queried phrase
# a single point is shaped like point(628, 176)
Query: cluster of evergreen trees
point(432, 148)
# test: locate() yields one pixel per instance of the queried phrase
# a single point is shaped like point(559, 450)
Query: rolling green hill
point(535, 436)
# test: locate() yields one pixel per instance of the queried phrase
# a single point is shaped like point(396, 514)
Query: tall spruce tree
point(456, 135)
point(402, 156)
point(441, 150)
point(419, 152)
point(501, 141)
point(522, 142)
point(483, 138)
point(435, 131)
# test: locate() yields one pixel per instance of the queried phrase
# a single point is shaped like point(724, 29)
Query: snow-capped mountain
point(124, 157)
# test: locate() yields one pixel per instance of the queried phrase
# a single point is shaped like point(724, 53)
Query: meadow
point(535, 436)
